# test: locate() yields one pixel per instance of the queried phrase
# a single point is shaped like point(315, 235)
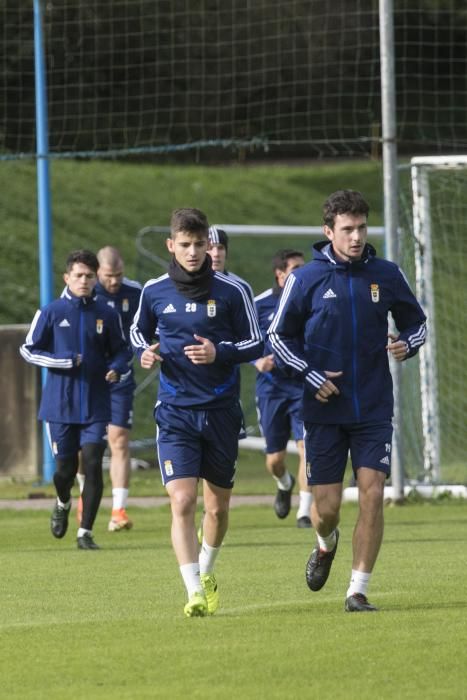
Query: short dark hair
point(189, 220)
point(282, 256)
point(344, 202)
point(86, 257)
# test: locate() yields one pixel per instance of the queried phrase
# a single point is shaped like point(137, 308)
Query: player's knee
point(371, 486)
point(218, 512)
point(66, 468)
point(119, 442)
point(276, 463)
point(326, 518)
point(92, 454)
point(326, 511)
point(372, 499)
point(182, 503)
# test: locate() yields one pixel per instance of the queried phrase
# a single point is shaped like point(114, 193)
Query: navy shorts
point(327, 449)
point(121, 400)
point(198, 443)
point(278, 418)
point(68, 438)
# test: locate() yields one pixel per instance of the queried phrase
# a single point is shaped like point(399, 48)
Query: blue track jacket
point(62, 330)
point(334, 316)
point(275, 383)
point(125, 302)
point(228, 319)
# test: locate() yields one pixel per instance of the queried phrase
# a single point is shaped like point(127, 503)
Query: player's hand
point(202, 354)
point(78, 361)
point(149, 357)
point(397, 348)
point(112, 376)
point(327, 388)
point(265, 364)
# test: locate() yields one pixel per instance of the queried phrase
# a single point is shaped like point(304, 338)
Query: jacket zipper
point(81, 380)
point(355, 401)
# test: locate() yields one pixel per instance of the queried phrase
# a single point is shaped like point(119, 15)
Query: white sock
point(207, 558)
point(328, 543)
point(284, 483)
point(359, 582)
point(80, 478)
point(304, 504)
point(190, 575)
point(120, 498)
point(66, 505)
point(82, 531)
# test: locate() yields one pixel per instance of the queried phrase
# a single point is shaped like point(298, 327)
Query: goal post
point(439, 215)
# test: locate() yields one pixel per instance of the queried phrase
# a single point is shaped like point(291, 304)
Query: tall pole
point(390, 191)
point(43, 201)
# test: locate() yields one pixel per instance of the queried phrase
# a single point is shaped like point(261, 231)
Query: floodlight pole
point(43, 202)
point(390, 187)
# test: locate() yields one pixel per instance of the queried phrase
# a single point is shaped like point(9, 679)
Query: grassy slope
point(109, 624)
point(98, 203)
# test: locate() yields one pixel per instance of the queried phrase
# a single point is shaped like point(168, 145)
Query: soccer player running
point(218, 251)
point(123, 295)
point(79, 339)
point(278, 401)
point(331, 329)
point(206, 325)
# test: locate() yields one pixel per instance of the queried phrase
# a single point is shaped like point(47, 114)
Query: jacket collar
point(79, 301)
point(324, 252)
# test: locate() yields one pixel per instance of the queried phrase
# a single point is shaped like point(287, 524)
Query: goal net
point(176, 77)
point(433, 215)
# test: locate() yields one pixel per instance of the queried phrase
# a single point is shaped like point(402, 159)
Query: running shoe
point(211, 591)
point(283, 501)
point(86, 542)
point(119, 521)
point(59, 521)
point(197, 606)
point(358, 603)
point(318, 566)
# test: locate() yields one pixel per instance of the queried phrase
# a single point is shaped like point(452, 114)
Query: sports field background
point(97, 203)
point(109, 624)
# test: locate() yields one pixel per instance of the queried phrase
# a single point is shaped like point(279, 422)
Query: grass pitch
point(110, 624)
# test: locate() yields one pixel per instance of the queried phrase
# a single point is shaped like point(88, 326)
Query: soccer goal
point(434, 230)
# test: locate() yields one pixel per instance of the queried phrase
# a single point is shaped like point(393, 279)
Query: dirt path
point(146, 502)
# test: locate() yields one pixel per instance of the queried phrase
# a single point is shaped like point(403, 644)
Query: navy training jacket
point(227, 318)
point(125, 302)
point(275, 383)
point(334, 316)
point(62, 330)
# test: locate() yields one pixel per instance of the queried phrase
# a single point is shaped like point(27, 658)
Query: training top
point(248, 288)
point(241, 280)
point(62, 330)
point(275, 383)
point(227, 318)
point(125, 302)
point(333, 316)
